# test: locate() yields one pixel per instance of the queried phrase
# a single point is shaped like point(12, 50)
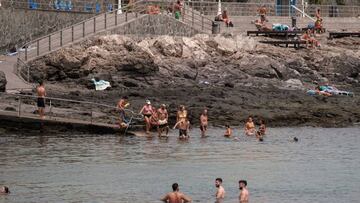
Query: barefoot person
point(175, 196)
point(250, 127)
point(244, 193)
point(181, 114)
point(147, 111)
point(4, 190)
point(228, 131)
point(163, 120)
point(122, 104)
point(220, 192)
point(41, 93)
point(184, 126)
point(203, 123)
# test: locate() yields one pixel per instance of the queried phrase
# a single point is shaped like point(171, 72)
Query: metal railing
point(210, 8)
point(102, 22)
point(85, 6)
point(79, 31)
point(60, 109)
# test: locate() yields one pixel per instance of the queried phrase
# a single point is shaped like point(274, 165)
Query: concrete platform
point(31, 122)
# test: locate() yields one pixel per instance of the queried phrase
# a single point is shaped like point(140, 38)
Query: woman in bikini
point(181, 114)
point(147, 111)
point(249, 127)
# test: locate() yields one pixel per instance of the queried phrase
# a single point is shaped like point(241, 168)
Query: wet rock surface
point(232, 76)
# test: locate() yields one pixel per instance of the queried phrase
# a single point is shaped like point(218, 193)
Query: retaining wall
point(18, 26)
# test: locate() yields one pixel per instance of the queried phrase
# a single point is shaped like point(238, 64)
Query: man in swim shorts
point(163, 120)
point(175, 196)
point(244, 194)
point(184, 126)
point(41, 93)
point(203, 122)
point(220, 192)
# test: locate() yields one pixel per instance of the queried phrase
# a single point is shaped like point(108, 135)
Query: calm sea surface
point(324, 166)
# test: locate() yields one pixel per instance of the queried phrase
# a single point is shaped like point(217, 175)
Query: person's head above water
point(175, 187)
point(218, 182)
point(295, 139)
point(242, 184)
point(4, 190)
point(205, 111)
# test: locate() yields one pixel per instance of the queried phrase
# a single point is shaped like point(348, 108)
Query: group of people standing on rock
point(158, 117)
point(176, 196)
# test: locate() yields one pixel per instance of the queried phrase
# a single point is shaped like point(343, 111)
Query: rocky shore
point(232, 76)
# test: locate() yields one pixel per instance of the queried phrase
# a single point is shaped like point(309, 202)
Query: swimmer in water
point(184, 126)
point(244, 194)
point(259, 136)
point(249, 127)
point(175, 196)
point(203, 123)
point(262, 127)
point(228, 132)
point(4, 190)
point(295, 139)
point(220, 192)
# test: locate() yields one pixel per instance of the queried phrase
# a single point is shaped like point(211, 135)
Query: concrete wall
point(156, 25)
point(18, 26)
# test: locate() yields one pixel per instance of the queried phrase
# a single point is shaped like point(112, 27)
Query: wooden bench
point(343, 34)
point(285, 34)
point(296, 43)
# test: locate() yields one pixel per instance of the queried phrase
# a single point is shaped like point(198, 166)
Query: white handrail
point(305, 14)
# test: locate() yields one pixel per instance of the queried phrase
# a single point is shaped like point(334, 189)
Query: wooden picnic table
point(343, 34)
point(285, 34)
point(296, 43)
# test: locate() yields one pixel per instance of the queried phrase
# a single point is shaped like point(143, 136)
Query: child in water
point(228, 131)
point(259, 136)
point(250, 127)
point(262, 128)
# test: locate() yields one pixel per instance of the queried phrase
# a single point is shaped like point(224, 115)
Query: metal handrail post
point(83, 26)
point(49, 42)
point(37, 47)
point(116, 18)
point(61, 38)
point(72, 33)
point(105, 21)
point(94, 24)
point(192, 11)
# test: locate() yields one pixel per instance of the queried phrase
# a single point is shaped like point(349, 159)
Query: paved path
point(13, 81)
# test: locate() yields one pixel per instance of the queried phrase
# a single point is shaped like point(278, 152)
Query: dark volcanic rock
point(232, 76)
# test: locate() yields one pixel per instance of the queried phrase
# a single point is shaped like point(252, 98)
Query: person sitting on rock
point(249, 127)
point(226, 20)
point(310, 41)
